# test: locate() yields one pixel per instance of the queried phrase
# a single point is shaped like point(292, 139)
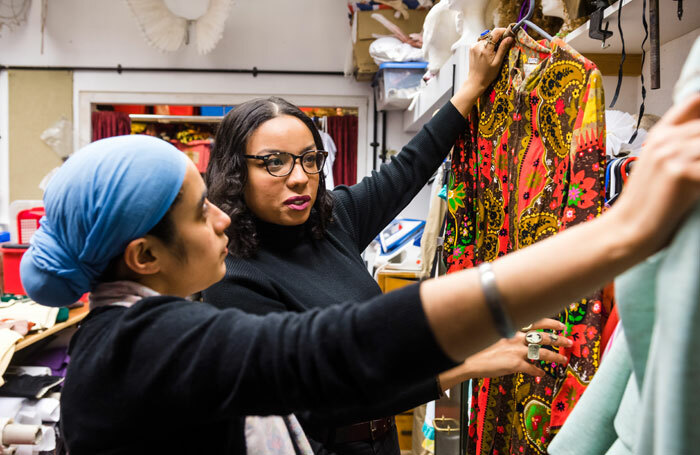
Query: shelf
point(436, 92)
point(670, 27)
point(75, 315)
point(151, 118)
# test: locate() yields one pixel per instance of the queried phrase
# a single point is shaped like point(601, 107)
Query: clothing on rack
point(431, 239)
point(530, 164)
point(109, 123)
point(343, 130)
point(617, 172)
point(328, 146)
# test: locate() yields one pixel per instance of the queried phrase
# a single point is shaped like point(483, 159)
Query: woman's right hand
point(665, 181)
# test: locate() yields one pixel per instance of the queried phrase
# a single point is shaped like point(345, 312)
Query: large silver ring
point(533, 338)
point(533, 351)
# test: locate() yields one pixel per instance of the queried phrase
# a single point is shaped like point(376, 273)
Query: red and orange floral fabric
point(530, 164)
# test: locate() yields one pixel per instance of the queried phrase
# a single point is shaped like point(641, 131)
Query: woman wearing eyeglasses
point(295, 246)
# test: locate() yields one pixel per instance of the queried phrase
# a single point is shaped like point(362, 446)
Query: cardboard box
point(364, 26)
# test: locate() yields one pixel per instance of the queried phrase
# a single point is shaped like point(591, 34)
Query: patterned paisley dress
point(530, 164)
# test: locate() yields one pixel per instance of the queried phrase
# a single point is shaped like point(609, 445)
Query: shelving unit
point(75, 315)
point(151, 118)
point(437, 91)
point(670, 27)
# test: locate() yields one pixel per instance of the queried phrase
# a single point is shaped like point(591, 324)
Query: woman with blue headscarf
point(128, 220)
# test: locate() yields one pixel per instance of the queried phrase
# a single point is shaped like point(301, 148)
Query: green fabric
point(669, 420)
point(589, 429)
point(644, 398)
point(689, 81)
point(62, 314)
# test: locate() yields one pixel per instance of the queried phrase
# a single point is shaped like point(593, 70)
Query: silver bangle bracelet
point(494, 302)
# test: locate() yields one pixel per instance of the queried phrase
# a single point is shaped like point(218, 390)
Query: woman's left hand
point(508, 356)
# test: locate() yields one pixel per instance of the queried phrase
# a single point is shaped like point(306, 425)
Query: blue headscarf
point(107, 194)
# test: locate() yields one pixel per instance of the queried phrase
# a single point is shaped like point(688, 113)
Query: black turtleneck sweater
point(291, 271)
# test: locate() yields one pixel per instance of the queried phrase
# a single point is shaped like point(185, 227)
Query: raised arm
point(373, 202)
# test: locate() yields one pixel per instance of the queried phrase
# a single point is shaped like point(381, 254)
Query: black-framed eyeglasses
point(281, 164)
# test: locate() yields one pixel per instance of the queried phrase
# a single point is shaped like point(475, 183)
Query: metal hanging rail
point(124, 69)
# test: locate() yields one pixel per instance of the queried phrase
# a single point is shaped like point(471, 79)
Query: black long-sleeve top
point(291, 271)
point(172, 376)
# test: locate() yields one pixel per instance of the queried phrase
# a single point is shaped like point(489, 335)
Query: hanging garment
point(531, 165)
point(108, 124)
point(430, 240)
point(343, 130)
point(328, 146)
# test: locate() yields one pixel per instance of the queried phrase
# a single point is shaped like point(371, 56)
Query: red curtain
point(108, 124)
point(343, 130)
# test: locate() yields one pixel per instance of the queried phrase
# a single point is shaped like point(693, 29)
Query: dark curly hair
point(227, 172)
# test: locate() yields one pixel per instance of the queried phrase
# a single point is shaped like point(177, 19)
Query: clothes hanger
point(526, 20)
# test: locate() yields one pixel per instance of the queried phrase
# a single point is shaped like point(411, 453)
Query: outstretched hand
point(665, 182)
point(508, 356)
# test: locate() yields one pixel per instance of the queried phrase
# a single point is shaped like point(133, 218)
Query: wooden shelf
point(670, 27)
point(75, 315)
point(152, 118)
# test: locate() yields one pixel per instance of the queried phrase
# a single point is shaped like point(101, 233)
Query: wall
point(673, 55)
point(269, 34)
point(37, 99)
point(306, 35)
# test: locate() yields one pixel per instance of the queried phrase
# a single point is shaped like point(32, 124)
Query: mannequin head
point(558, 8)
point(469, 11)
point(470, 19)
point(553, 8)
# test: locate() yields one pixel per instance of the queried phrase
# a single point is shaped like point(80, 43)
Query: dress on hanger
point(531, 165)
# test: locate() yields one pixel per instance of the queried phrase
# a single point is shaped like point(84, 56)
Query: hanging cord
point(522, 14)
point(624, 56)
point(644, 89)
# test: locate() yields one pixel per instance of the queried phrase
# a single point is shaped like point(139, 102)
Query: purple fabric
point(54, 358)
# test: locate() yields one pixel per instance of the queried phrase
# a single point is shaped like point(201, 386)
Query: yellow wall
point(37, 99)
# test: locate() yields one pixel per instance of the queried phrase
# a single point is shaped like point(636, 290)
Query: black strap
point(624, 56)
point(644, 54)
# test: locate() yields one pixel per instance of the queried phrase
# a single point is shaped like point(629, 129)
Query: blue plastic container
point(214, 111)
point(4, 236)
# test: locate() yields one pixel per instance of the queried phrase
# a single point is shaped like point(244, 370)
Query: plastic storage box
point(28, 221)
point(11, 257)
point(214, 111)
point(397, 83)
point(197, 151)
